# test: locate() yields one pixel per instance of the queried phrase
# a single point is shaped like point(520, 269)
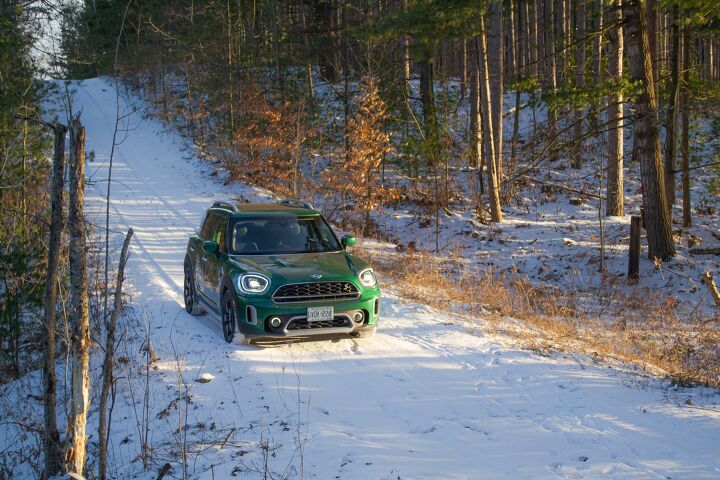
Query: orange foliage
point(356, 178)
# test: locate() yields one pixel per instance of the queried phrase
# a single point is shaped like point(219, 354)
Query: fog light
point(275, 322)
point(358, 317)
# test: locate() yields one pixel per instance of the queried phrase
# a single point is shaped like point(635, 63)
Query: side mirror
point(348, 241)
point(210, 247)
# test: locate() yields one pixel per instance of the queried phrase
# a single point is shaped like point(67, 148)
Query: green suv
point(278, 270)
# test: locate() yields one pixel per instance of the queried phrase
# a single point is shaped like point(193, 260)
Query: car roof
point(265, 209)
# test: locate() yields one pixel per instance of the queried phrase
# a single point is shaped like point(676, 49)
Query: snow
point(430, 396)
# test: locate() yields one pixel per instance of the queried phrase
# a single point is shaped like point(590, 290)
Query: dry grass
point(648, 329)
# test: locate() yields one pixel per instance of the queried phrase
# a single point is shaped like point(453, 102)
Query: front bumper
point(254, 314)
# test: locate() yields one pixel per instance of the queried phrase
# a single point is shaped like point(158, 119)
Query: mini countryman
point(278, 270)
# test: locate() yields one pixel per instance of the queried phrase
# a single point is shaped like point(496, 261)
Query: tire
point(192, 305)
point(368, 332)
point(229, 317)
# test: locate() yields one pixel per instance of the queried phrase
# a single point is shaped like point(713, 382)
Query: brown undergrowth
point(645, 328)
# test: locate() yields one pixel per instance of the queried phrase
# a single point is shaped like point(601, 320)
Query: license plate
point(319, 314)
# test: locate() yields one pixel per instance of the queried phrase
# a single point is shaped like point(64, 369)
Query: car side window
point(221, 234)
point(209, 227)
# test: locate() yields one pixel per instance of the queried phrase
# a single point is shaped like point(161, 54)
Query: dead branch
point(709, 282)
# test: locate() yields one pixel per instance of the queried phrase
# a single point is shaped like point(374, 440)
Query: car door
point(213, 262)
point(207, 233)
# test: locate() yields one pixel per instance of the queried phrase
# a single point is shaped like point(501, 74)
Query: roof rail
point(296, 203)
point(225, 205)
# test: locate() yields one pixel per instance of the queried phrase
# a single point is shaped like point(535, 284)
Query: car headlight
point(367, 278)
point(253, 283)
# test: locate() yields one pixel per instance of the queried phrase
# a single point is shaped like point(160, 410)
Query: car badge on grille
point(316, 276)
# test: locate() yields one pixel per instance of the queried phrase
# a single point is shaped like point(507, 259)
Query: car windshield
point(279, 235)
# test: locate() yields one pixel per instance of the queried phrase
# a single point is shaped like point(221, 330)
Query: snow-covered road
point(425, 398)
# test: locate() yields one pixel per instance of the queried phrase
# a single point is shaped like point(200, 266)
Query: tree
point(489, 132)
point(580, 14)
point(615, 196)
point(79, 306)
point(646, 140)
point(671, 116)
point(495, 54)
point(51, 436)
point(358, 179)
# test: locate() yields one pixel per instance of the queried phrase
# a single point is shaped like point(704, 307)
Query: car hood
point(300, 267)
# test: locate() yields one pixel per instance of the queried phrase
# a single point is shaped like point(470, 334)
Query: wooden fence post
point(634, 252)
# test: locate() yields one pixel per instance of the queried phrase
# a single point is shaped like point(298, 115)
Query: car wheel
point(229, 317)
point(192, 306)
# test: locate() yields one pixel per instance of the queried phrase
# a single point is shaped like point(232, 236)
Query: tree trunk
point(651, 28)
point(671, 118)
point(615, 201)
point(576, 161)
point(489, 132)
point(536, 45)
point(518, 72)
point(463, 68)
point(103, 427)
point(80, 335)
point(646, 141)
point(687, 214)
point(324, 22)
point(51, 437)
point(475, 141)
point(495, 64)
point(427, 98)
point(550, 71)
point(406, 61)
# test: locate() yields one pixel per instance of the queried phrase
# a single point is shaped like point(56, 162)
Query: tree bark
point(51, 436)
point(495, 64)
point(576, 160)
point(615, 197)
point(324, 10)
point(671, 118)
point(687, 214)
point(646, 141)
point(108, 379)
point(427, 98)
point(488, 133)
point(550, 71)
point(406, 60)
point(475, 141)
point(463, 68)
point(80, 335)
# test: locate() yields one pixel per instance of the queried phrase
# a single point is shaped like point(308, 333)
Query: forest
point(547, 169)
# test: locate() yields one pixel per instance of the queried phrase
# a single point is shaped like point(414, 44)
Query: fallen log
point(705, 251)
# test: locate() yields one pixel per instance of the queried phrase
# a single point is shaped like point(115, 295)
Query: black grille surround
point(316, 291)
point(303, 324)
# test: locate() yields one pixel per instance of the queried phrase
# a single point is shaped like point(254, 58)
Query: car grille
point(307, 292)
point(303, 324)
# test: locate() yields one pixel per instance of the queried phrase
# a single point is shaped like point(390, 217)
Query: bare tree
point(108, 379)
point(671, 117)
point(51, 438)
point(615, 201)
point(489, 132)
point(475, 141)
point(646, 141)
point(80, 335)
point(687, 214)
point(551, 71)
point(576, 160)
point(495, 51)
